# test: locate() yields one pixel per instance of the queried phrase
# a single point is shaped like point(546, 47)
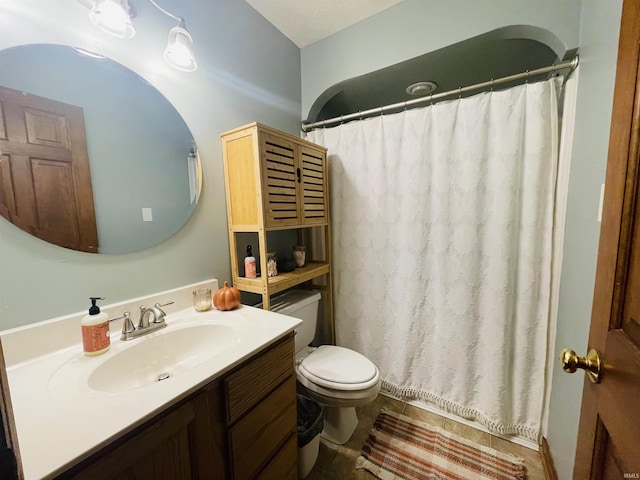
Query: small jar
point(272, 264)
point(299, 255)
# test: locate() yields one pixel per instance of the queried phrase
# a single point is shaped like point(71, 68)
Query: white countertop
point(60, 421)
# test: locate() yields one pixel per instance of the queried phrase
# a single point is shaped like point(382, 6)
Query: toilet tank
point(302, 304)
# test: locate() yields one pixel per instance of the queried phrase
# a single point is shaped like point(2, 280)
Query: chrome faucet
point(145, 326)
point(145, 312)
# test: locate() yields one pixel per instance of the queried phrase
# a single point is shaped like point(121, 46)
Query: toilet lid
point(339, 368)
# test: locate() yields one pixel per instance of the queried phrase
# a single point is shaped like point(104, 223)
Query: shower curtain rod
point(571, 64)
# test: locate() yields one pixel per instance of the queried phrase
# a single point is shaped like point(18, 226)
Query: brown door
point(609, 433)
point(45, 181)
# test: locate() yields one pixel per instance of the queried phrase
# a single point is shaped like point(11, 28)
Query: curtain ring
point(341, 120)
point(459, 93)
point(381, 110)
point(431, 99)
point(492, 84)
point(527, 77)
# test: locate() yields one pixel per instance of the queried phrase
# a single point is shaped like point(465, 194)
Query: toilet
point(337, 378)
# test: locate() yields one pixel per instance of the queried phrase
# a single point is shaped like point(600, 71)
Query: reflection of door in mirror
point(45, 181)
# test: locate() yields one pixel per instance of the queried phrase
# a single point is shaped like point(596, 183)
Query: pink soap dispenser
point(95, 330)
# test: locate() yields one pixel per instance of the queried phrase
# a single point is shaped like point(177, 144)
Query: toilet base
point(339, 424)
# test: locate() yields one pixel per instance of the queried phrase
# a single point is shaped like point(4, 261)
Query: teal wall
point(248, 71)
point(599, 32)
point(415, 27)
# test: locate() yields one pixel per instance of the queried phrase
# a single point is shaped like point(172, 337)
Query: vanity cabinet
point(242, 426)
point(276, 181)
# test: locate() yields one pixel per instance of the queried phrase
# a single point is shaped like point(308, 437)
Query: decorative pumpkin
point(226, 298)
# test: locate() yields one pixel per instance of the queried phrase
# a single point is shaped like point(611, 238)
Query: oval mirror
point(92, 157)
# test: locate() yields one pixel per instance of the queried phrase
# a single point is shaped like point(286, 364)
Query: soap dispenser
point(250, 264)
point(95, 330)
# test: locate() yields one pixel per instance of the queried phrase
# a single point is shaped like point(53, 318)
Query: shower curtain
point(442, 224)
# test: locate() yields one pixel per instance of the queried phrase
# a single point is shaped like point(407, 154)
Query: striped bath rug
point(402, 448)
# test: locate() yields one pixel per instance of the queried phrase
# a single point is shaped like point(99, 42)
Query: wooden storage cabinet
point(241, 427)
point(276, 181)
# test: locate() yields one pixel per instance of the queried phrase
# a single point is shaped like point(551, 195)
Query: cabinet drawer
point(284, 465)
point(255, 438)
point(255, 380)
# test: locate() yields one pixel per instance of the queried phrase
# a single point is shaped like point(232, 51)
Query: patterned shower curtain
point(442, 224)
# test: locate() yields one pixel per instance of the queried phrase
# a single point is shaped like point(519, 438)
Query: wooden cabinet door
point(164, 451)
point(608, 437)
point(313, 187)
point(45, 180)
point(281, 178)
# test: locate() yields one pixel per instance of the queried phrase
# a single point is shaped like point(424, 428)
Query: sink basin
point(160, 357)
point(145, 360)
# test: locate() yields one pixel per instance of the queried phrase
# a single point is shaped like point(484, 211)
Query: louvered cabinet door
point(280, 180)
point(313, 189)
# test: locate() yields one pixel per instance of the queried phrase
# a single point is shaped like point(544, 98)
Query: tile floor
point(337, 462)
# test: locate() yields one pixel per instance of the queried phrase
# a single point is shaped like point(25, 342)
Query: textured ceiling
point(307, 21)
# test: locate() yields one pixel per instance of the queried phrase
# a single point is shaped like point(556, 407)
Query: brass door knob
point(591, 363)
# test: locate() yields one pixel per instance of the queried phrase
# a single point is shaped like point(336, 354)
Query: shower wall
point(415, 27)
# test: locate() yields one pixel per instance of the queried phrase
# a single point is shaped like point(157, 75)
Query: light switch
point(601, 203)
point(147, 215)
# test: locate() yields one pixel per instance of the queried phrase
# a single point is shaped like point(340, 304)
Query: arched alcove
point(495, 54)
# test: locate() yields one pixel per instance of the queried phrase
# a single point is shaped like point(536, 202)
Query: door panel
point(7, 198)
point(47, 129)
point(45, 179)
point(279, 176)
point(56, 221)
point(314, 186)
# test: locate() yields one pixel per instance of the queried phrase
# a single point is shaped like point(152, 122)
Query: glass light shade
point(179, 51)
point(112, 17)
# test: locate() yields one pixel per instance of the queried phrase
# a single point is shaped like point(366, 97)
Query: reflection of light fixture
point(114, 18)
point(89, 53)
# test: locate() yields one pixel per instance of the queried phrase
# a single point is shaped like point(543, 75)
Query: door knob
point(591, 363)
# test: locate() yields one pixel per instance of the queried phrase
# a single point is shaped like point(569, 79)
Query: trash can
point(310, 424)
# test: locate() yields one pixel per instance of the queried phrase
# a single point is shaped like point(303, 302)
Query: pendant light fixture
point(179, 51)
point(114, 17)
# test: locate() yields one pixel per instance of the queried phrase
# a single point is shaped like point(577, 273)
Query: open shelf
point(283, 280)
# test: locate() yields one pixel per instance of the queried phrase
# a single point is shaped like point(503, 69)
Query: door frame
point(617, 222)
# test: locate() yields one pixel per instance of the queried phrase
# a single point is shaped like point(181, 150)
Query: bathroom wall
point(599, 32)
point(248, 71)
point(415, 27)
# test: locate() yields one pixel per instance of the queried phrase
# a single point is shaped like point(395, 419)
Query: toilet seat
point(338, 368)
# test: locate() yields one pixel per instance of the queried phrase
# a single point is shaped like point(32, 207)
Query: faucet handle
point(160, 318)
point(127, 325)
point(160, 314)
